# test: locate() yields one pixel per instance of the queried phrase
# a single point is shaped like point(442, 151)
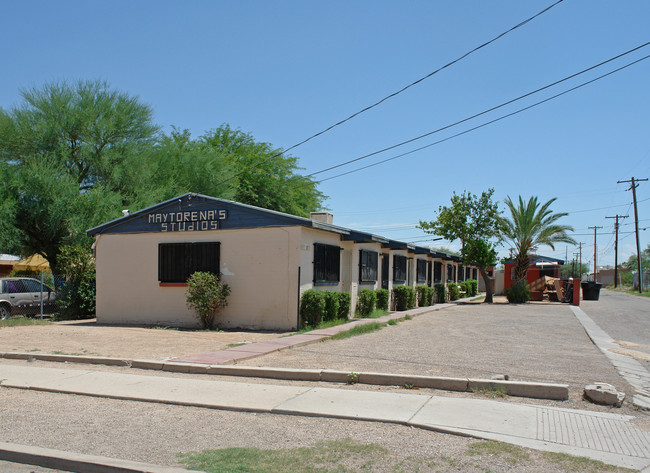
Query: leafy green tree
point(60, 153)
point(568, 270)
point(87, 127)
point(264, 177)
point(531, 225)
point(631, 262)
point(474, 221)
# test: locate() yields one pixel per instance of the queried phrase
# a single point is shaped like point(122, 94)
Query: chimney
point(322, 217)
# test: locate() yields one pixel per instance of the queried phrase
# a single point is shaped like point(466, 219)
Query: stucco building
point(268, 259)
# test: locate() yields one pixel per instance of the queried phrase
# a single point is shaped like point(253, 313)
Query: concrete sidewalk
point(610, 438)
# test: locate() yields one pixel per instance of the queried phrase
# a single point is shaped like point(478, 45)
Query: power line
point(471, 129)
point(393, 94)
point(495, 108)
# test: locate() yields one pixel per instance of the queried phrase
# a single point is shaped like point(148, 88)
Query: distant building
point(539, 266)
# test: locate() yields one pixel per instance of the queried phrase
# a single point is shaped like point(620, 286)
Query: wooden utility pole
point(633, 187)
point(580, 260)
point(616, 248)
point(595, 267)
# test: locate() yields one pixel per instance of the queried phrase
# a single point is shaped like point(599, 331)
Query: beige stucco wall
point(260, 265)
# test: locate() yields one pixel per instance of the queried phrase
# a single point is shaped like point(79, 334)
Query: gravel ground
point(534, 342)
point(88, 338)
point(155, 433)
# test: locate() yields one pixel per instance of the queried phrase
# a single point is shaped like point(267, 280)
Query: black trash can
point(590, 290)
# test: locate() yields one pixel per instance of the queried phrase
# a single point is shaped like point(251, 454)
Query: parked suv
point(23, 296)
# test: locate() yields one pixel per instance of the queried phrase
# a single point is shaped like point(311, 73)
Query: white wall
point(260, 265)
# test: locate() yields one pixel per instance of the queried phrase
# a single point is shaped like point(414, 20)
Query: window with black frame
point(177, 261)
point(327, 264)
point(437, 272)
point(421, 271)
point(368, 266)
point(399, 269)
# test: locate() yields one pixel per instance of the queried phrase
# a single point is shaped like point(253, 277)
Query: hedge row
point(319, 306)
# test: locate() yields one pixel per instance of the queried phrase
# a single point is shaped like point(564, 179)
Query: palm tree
point(530, 226)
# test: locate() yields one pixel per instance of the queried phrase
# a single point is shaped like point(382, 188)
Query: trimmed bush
point(331, 305)
point(429, 296)
point(473, 286)
point(344, 305)
point(404, 297)
point(411, 298)
point(366, 302)
point(421, 295)
point(312, 307)
point(383, 297)
point(463, 286)
point(452, 290)
point(440, 292)
point(518, 293)
point(206, 294)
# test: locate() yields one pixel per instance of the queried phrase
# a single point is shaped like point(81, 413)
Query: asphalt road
point(626, 318)
point(8, 467)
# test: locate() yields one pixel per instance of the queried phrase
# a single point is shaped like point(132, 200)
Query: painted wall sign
point(184, 221)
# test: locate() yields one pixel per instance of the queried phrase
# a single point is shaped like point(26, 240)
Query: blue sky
point(285, 70)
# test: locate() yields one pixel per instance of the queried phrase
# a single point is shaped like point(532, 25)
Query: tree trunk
point(522, 261)
point(488, 285)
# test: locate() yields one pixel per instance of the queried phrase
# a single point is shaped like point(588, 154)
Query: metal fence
point(31, 294)
point(645, 279)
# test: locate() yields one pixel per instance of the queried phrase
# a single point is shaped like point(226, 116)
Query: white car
point(23, 296)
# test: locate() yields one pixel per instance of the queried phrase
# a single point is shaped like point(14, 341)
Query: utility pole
point(580, 260)
point(616, 249)
point(633, 186)
point(595, 267)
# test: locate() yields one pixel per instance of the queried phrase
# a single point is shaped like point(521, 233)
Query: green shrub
point(344, 305)
point(312, 307)
point(411, 297)
point(404, 297)
point(440, 292)
point(429, 296)
point(463, 286)
point(76, 298)
point(518, 293)
point(383, 297)
point(206, 294)
point(472, 286)
point(331, 311)
point(452, 290)
point(421, 295)
point(366, 302)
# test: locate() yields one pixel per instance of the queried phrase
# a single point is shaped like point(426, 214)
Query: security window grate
point(421, 271)
point(399, 269)
point(368, 265)
point(327, 263)
point(177, 261)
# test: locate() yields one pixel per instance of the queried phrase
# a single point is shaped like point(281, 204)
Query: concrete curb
point(557, 392)
point(76, 462)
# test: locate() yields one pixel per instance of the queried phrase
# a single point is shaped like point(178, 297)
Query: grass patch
point(326, 324)
point(572, 464)
point(233, 345)
point(162, 327)
point(392, 322)
point(324, 457)
point(22, 322)
point(479, 298)
point(511, 453)
point(492, 392)
point(358, 330)
point(375, 314)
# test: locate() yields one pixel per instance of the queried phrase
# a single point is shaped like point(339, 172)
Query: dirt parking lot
point(87, 338)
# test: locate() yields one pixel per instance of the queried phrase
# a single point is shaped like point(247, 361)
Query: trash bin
point(590, 290)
